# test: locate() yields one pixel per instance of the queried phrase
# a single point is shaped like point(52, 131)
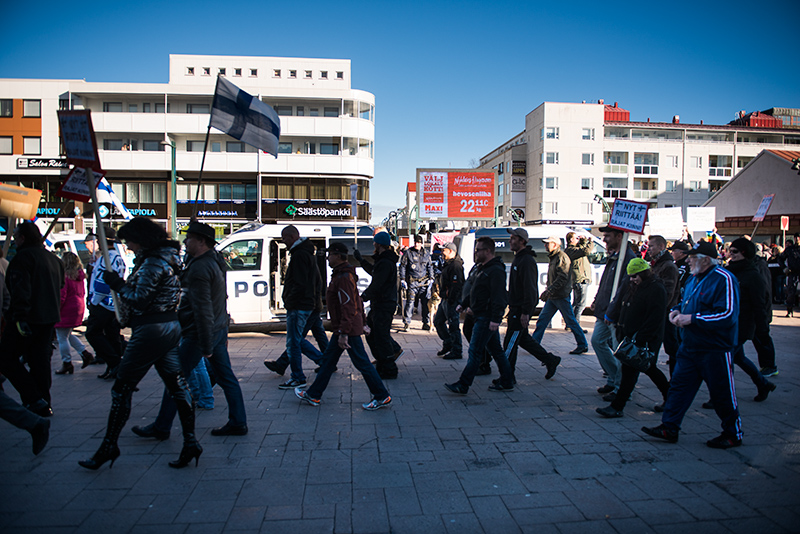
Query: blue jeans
point(485, 339)
point(200, 386)
point(446, 322)
point(691, 370)
point(314, 324)
point(547, 313)
point(604, 343)
point(295, 334)
point(220, 361)
point(361, 362)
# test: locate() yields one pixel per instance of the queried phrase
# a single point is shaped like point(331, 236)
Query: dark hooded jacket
point(203, 309)
point(642, 313)
point(344, 303)
point(523, 282)
point(752, 298)
point(451, 280)
point(303, 282)
point(487, 296)
point(665, 270)
point(153, 290)
point(382, 290)
point(34, 279)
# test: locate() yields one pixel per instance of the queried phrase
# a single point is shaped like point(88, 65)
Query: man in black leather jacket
point(446, 320)
point(204, 319)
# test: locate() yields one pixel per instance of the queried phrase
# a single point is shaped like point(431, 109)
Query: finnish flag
point(106, 195)
point(245, 118)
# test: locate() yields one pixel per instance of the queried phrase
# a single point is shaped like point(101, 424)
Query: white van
point(257, 261)
point(465, 242)
point(60, 243)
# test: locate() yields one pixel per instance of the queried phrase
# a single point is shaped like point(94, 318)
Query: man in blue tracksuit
point(708, 318)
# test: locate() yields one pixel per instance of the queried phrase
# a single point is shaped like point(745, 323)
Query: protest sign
point(628, 216)
point(76, 187)
point(666, 222)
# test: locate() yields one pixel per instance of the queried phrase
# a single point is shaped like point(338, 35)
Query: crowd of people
point(700, 301)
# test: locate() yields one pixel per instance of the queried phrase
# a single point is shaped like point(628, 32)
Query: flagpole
point(55, 219)
point(200, 176)
point(101, 233)
point(258, 184)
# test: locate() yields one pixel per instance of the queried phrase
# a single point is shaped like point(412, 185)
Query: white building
point(577, 154)
point(326, 144)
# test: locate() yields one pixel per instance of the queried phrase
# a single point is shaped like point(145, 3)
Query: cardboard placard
point(18, 202)
point(76, 187)
point(77, 134)
point(628, 216)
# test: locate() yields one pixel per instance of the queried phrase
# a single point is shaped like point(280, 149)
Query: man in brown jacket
point(348, 322)
point(557, 296)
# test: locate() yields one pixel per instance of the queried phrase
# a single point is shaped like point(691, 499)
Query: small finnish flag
point(245, 118)
point(106, 195)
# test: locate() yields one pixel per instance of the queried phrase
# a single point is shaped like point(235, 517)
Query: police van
point(465, 242)
point(257, 260)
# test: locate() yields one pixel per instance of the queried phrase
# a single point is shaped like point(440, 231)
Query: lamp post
point(173, 219)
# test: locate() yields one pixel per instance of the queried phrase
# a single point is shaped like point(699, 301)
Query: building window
point(696, 162)
point(276, 73)
point(197, 108)
point(742, 161)
point(112, 107)
point(284, 148)
point(550, 182)
point(329, 148)
point(32, 146)
point(6, 145)
point(196, 146)
point(222, 71)
point(234, 146)
point(339, 75)
point(32, 108)
point(253, 73)
point(672, 161)
point(551, 158)
point(6, 107)
point(551, 208)
point(112, 144)
point(500, 190)
point(587, 159)
point(308, 75)
point(587, 183)
point(671, 186)
point(190, 71)
point(694, 186)
point(301, 111)
point(587, 208)
point(206, 71)
point(587, 134)
point(150, 145)
point(323, 74)
point(313, 112)
point(146, 107)
point(331, 112)
point(216, 146)
point(551, 132)
point(159, 108)
point(237, 72)
point(292, 73)
point(283, 110)
point(720, 165)
point(133, 108)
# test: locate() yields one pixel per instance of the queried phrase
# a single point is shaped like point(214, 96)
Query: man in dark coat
point(34, 279)
point(523, 295)
point(382, 295)
point(446, 320)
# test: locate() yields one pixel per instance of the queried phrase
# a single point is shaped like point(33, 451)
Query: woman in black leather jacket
point(641, 314)
point(151, 294)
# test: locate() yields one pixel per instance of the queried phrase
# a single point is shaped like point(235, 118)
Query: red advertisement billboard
point(465, 194)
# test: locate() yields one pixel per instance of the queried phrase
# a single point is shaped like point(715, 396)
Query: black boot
point(117, 417)
point(88, 359)
point(183, 400)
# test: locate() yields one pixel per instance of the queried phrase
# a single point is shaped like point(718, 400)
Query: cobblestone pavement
point(538, 459)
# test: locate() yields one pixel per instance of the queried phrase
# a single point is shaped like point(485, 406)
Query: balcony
point(645, 170)
point(615, 169)
point(719, 171)
point(644, 194)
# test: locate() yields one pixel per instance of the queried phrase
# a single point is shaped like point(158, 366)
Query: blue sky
point(452, 80)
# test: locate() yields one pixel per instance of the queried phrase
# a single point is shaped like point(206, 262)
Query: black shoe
point(769, 371)
point(106, 452)
point(403, 328)
point(610, 397)
point(659, 408)
point(292, 383)
point(66, 369)
point(396, 355)
point(451, 356)
point(40, 433)
point(552, 365)
point(498, 386)
point(763, 392)
point(579, 350)
point(609, 412)
point(149, 431)
point(87, 359)
point(229, 430)
point(457, 387)
point(605, 389)
point(110, 373)
point(387, 376)
point(275, 367)
point(40, 408)
point(723, 442)
point(708, 405)
point(483, 371)
point(426, 327)
point(188, 453)
point(661, 432)
point(442, 352)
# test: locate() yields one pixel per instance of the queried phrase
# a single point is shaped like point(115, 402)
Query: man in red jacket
point(348, 323)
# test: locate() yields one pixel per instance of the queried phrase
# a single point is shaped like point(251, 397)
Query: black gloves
point(113, 280)
point(357, 255)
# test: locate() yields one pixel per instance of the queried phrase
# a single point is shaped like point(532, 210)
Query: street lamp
point(173, 218)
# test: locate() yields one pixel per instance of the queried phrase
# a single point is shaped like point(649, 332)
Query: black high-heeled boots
point(191, 447)
point(117, 417)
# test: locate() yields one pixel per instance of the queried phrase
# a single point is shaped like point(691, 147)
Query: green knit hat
point(637, 265)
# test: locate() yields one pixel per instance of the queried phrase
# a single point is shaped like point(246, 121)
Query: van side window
point(243, 255)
